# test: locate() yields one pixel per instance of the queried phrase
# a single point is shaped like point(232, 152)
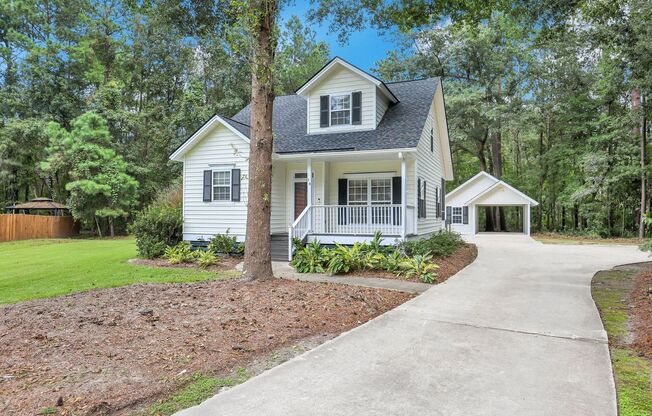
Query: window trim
point(331, 111)
point(213, 186)
point(368, 180)
point(454, 215)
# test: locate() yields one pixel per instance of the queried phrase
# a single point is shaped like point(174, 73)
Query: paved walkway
point(285, 271)
point(515, 333)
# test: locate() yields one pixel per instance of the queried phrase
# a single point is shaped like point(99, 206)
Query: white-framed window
point(340, 109)
point(381, 191)
point(358, 192)
point(456, 215)
point(221, 185)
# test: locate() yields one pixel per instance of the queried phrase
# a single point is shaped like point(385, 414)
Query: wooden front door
point(300, 198)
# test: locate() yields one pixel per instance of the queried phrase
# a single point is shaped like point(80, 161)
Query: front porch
point(344, 197)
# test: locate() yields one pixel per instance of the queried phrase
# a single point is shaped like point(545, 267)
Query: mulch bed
point(111, 351)
point(641, 313)
point(448, 266)
point(226, 263)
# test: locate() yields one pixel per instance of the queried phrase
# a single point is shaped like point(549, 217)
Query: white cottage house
point(352, 155)
point(463, 203)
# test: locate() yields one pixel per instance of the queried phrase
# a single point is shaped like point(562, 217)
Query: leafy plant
point(206, 258)
point(442, 244)
point(225, 244)
point(421, 267)
point(310, 259)
point(646, 245)
point(343, 259)
point(181, 253)
point(393, 261)
point(159, 225)
point(372, 260)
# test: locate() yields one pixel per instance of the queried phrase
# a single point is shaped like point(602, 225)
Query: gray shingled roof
point(400, 127)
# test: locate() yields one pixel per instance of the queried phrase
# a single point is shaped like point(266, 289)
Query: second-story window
point(340, 109)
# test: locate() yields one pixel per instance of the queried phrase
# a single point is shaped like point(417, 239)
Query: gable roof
point(497, 183)
point(337, 62)
point(400, 127)
point(241, 130)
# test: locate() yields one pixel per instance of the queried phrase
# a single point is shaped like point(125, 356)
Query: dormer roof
point(333, 65)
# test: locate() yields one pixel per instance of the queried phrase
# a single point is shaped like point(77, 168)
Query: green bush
point(225, 244)
point(310, 259)
point(343, 259)
point(393, 261)
point(421, 267)
point(159, 225)
point(206, 258)
point(181, 253)
point(440, 245)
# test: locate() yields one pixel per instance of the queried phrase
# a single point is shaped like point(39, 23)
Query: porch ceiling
point(348, 156)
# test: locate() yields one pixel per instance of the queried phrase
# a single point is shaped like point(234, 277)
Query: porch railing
point(351, 220)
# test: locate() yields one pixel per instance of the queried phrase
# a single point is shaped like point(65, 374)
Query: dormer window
point(340, 110)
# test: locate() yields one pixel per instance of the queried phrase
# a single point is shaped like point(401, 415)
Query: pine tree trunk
point(639, 130)
point(258, 258)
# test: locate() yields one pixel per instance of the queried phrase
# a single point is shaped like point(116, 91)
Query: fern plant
point(421, 267)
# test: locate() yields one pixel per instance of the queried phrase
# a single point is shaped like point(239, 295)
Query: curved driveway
point(515, 333)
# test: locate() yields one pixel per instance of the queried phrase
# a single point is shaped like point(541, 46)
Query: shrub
point(393, 261)
point(421, 267)
point(442, 244)
point(343, 259)
point(646, 245)
point(206, 258)
point(310, 259)
point(159, 225)
point(181, 253)
point(225, 244)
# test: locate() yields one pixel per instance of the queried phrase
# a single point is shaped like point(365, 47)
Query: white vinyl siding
point(220, 150)
point(342, 82)
point(381, 106)
point(279, 223)
point(430, 169)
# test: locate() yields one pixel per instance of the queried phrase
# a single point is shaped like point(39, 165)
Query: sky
point(363, 49)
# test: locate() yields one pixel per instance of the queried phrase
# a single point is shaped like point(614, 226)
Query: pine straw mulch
point(641, 313)
point(225, 263)
point(110, 351)
point(448, 266)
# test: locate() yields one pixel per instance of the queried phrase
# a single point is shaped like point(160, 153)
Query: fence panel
point(25, 227)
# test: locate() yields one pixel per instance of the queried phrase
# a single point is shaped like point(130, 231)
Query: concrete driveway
point(515, 333)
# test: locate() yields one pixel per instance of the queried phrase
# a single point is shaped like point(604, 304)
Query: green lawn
point(42, 268)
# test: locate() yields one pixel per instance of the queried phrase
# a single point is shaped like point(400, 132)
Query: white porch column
point(309, 179)
point(309, 182)
point(403, 194)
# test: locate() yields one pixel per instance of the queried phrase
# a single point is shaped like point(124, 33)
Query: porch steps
point(279, 247)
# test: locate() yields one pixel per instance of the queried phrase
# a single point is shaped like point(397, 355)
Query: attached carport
point(469, 205)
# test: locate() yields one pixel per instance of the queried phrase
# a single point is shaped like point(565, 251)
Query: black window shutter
point(208, 185)
point(425, 213)
point(432, 141)
point(396, 198)
point(342, 199)
point(323, 111)
point(437, 204)
point(465, 215)
point(418, 197)
point(235, 185)
point(448, 215)
point(443, 195)
point(356, 108)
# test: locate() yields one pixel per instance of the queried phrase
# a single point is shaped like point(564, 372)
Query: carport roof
point(497, 185)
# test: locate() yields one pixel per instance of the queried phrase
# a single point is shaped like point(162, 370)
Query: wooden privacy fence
point(25, 227)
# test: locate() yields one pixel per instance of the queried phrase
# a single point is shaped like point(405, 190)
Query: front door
point(300, 197)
